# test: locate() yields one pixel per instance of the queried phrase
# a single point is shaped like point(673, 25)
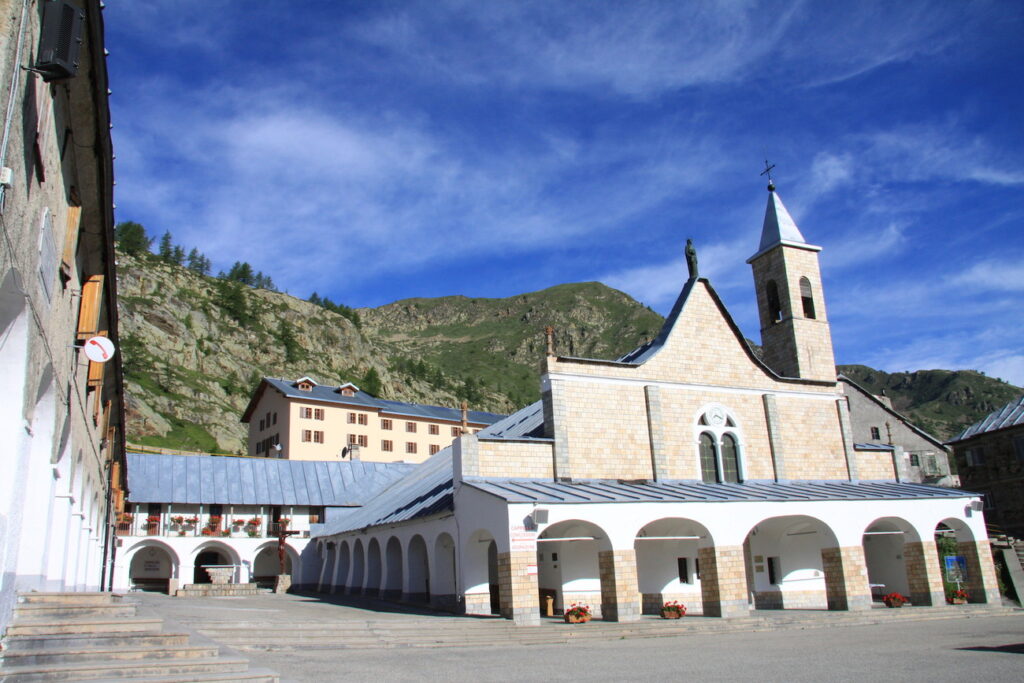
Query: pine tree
point(131, 238)
point(166, 251)
point(371, 383)
point(178, 255)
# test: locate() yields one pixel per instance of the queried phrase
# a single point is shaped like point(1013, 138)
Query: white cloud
point(856, 249)
point(994, 274)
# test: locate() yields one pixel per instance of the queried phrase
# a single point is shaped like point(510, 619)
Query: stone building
point(304, 420)
point(61, 414)
point(187, 512)
point(875, 427)
point(990, 458)
point(686, 470)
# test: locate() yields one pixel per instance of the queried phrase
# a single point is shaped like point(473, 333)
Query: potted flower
point(213, 522)
point(191, 520)
point(957, 597)
point(225, 532)
point(178, 520)
point(152, 520)
point(895, 600)
point(284, 522)
point(577, 614)
point(127, 517)
point(253, 533)
point(255, 521)
point(237, 522)
point(673, 610)
point(207, 531)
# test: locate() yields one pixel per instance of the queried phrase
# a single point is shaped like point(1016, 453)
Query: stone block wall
point(723, 581)
point(518, 587)
point(874, 465)
point(846, 578)
point(982, 585)
point(812, 440)
point(515, 459)
point(923, 573)
point(620, 596)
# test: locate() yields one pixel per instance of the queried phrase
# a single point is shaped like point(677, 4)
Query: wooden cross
point(282, 536)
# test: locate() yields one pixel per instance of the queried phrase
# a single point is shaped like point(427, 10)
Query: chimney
point(549, 333)
point(465, 418)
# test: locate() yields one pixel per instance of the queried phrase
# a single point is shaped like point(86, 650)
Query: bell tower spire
point(795, 332)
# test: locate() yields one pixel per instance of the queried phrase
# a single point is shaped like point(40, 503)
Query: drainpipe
point(9, 116)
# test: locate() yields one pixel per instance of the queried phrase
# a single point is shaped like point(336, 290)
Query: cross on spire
point(768, 172)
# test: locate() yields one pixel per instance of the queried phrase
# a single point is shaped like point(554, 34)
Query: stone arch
point(36, 487)
point(342, 567)
point(152, 565)
point(358, 578)
point(213, 553)
point(444, 586)
point(668, 554)
point(960, 561)
point(887, 543)
point(480, 573)
point(802, 566)
point(374, 567)
point(393, 570)
point(328, 558)
point(807, 298)
point(266, 565)
point(418, 581)
point(569, 557)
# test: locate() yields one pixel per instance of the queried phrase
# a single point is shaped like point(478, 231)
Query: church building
point(688, 469)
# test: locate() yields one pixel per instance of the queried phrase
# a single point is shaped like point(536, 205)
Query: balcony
point(173, 525)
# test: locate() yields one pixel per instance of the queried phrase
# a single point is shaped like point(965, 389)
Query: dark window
point(914, 460)
point(730, 459)
point(696, 568)
point(875, 434)
point(806, 298)
point(684, 570)
point(774, 570)
point(774, 307)
point(1018, 447)
point(216, 510)
point(708, 459)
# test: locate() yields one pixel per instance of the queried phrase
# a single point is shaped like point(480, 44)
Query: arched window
point(807, 298)
point(718, 440)
point(708, 458)
point(730, 459)
point(774, 307)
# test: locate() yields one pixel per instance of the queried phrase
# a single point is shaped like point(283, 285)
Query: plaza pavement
point(309, 638)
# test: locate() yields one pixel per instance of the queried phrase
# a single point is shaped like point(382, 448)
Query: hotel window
point(318, 437)
point(455, 431)
point(364, 440)
point(305, 413)
point(410, 447)
point(434, 448)
point(410, 427)
point(387, 446)
point(259, 446)
point(352, 439)
point(261, 425)
point(364, 419)
point(385, 424)
point(351, 418)
point(433, 430)
point(307, 435)
point(275, 418)
point(318, 414)
point(268, 417)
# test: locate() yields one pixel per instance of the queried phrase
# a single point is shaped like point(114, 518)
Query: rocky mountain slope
point(194, 348)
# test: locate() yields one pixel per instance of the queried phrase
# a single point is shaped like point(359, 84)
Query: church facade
point(688, 469)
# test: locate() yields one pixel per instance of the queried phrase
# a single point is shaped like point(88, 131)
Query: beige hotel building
point(303, 420)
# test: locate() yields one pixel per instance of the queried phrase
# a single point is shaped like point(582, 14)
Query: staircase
point(90, 636)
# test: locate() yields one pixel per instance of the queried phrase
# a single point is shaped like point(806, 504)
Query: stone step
point(83, 598)
point(56, 610)
point(122, 669)
point(79, 641)
point(250, 676)
point(44, 627)
point(94, 654)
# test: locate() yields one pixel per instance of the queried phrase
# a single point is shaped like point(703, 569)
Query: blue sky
point(374, 151)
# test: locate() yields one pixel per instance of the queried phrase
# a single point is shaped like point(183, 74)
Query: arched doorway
point(794, 562)
point(392, 587)
point(327, 560)
point(344, 563)
point(443, 591)
point(482, 595)
point(668, 563)
point(960, 564)
point(212, 555)
point(355, 586)
point(152, 567)
point(886, 551)
point(568, 565)
point(419, 571)
point(267, 565)
point(373, 568)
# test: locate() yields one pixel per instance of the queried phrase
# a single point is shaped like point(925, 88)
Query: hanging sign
point(98, 349)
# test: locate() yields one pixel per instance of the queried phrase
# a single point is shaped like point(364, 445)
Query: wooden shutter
point(89, 308)
point(71, 239)
point(96, 375)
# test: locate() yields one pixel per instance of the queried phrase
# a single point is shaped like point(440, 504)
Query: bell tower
point(795, 332)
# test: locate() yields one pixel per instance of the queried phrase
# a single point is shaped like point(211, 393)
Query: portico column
point(723, 581)
point(923, 573)
point(517, 587)
point(620, 594)
point(337, 569)
point(846, 578)
point(981, 572)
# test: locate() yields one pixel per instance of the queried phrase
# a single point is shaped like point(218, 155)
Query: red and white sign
point(522, 539)
point(531, 569)
point(98, 349)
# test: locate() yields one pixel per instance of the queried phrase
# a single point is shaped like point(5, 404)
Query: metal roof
point(680, 491)
point(526, 423)
point(779, 228)
point(425, 491)
point(1010, 415)
point(160, 478)
point(331, 394)
point(873, 447)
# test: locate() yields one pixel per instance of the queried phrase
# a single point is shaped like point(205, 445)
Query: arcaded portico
point(689, 469)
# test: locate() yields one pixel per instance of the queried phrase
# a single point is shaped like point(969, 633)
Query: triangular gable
point(348, 389)
point(257, 396)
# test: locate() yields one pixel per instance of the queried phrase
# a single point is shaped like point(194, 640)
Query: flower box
point(577, 614)
point(673, 610)
point(895, 600)
point(573, 619)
